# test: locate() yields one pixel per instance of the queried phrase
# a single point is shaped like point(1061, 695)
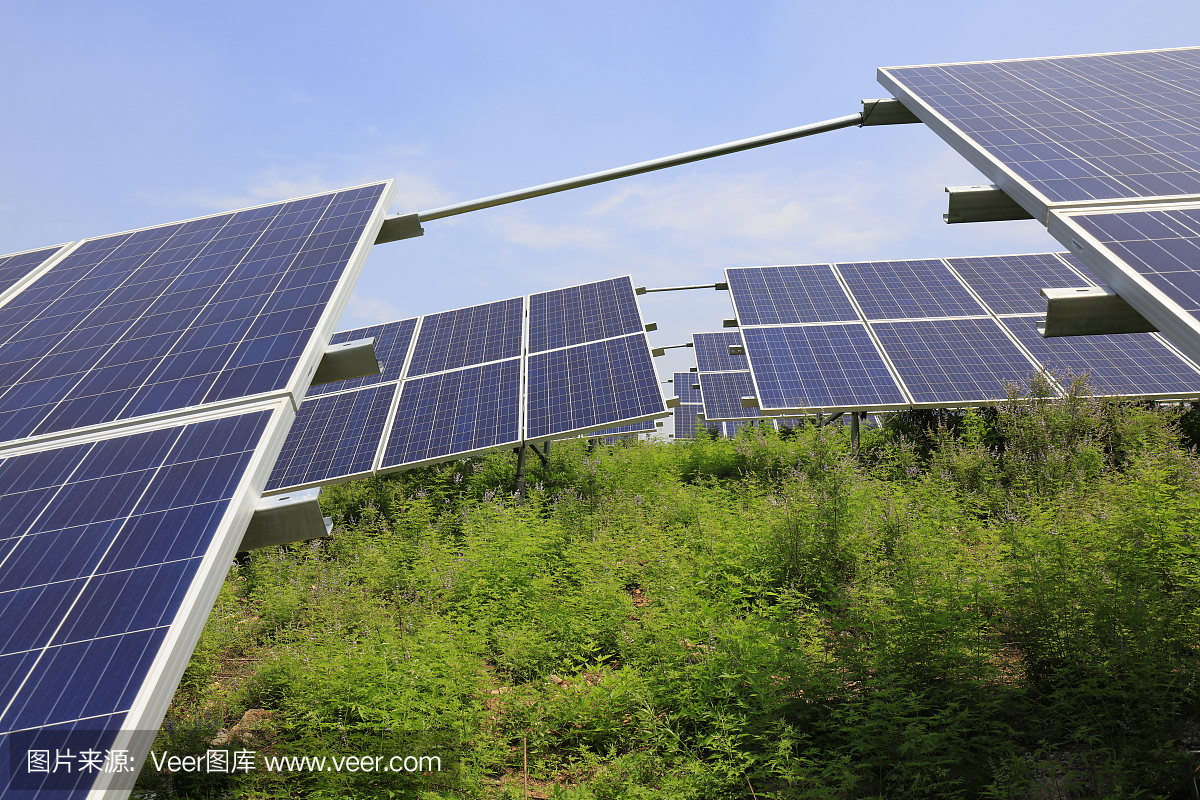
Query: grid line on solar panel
point(964, 361)
point(392, 340)
point(723, 392)
point(334, 437)
point(908, 290)
point(1013, 284)
point(589, 385)
point(88, 524)
point(467, 336)
point(820, 367)
point(175, 316)
point(1160, 245)
point(687, 387)
point(712, 352)
point(788, 294)
point(1075, 128)
point(452, 413)
point(1134, 364)
point(577, 314)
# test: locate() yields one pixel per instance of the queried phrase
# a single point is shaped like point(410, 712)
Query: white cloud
point(362, 311)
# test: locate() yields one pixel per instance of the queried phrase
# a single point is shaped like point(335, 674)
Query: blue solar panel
point(687, 387)
point(1161, 246)
point(956, 361)
point(15, 267)
point(1074, 128)
point(785, 295)
point(334, 437)
point(1137, 364)
point(591, 385)
point(584, 313)
point(175, 316)
point(908, 289)
point(101, 543)
point(468, 336)
point(723, 393)
point(645, 426)
point(391, 347)
point(820, 366)
point(685, 419)
point(712, 352)
point(1012, 284)
point(452, 413)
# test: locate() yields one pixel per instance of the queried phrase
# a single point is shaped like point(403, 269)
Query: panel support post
point(520, 488)
point(853, 433)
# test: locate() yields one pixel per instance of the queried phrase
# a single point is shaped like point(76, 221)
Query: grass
point(1001, 604)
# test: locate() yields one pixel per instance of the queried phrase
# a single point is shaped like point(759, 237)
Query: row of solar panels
point(913, 334)
point(546, 366)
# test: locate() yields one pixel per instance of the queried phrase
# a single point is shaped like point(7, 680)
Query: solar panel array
point(150, 378)
point(548, 366)
point(686, 386)
point(931, 333)
point(1070, 137)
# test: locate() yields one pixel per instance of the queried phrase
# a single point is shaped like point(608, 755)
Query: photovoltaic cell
point(18, 265)
point(175, 316)
point(590, 385)
point(712, 352)
point(448, 413)
point(1012, 284)
point(334, 437)
point(391, 347)
point(1077, 128)
point(818, 367)
point(584, 313)
point(955, 361)
point(723, 393)
point(908, 289)
point(473, 335)
point(685, 420)
point(1137, 364)
point(786, 295)
point(687, 387)
point(101, 542)
point(1161, 246)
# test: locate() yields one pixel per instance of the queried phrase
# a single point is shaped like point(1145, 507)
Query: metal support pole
point(546, 448)
point(521, 473)
point(854, 433)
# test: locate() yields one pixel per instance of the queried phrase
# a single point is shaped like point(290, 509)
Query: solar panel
point(817, 367)
point(687, 387)
point(451, 413)
point(712, 352)
point(685, 419)
point(114, 541)
point(908, 289)
point(15, 267)
point(1067, 129)
point(723, 393)
point(1136, 364)
point(947, 362)
point(1012, 284)
point(448, 406)
point(392, 342)
point(590, 386)
point(786, 295)
point(473, 335)
point(586, 313)
point(176, 316)
point(334, 437)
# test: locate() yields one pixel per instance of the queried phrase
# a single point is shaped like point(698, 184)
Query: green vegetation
point(1003, 604)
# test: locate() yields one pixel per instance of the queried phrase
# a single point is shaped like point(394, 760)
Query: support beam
point(293, 517)
point(659, 351)
point(982, 204)
point(539, 454)
point(520, 484)
point(402, 226)
point(720, 287)
point(854, 433)
point(1089, 310)
point(749, 402)
point(889, 111)
point(347, 360)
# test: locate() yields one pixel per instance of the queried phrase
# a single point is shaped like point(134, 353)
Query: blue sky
point(122, 115)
